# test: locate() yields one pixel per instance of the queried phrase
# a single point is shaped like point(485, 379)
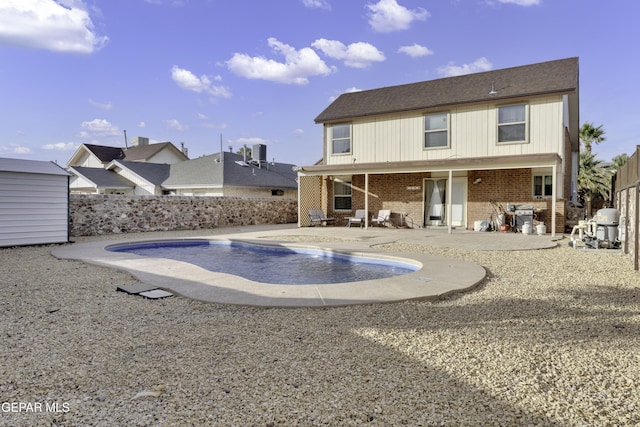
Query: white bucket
point(541, 229)
point(526, 228)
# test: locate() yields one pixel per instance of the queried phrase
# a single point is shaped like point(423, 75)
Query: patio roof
point(475, 163)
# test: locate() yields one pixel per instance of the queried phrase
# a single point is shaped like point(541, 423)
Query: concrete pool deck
point(438, 276)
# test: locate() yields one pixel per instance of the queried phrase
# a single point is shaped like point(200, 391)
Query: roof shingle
point(560, 76)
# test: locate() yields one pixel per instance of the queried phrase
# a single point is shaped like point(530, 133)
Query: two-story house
point(444, 152)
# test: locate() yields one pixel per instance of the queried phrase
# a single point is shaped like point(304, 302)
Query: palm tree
point(618, 161)
point(589, 135)
point(593, 178)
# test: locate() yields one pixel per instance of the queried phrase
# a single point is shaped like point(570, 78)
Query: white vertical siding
point(473, 133)
point(33, 209)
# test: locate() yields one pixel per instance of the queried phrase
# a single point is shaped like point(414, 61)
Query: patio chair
point(316, 216)
point(383, 217)
point(357, 219)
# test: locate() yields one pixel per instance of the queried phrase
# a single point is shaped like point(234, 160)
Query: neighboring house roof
point(145, 152)
point(560, 76)
point(155, 173)
point(209, 171)
point(30, 166)
point(102, 178)
point(139, 153)
point(104, 153)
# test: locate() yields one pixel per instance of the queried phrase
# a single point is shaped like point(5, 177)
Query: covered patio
point(462, 189)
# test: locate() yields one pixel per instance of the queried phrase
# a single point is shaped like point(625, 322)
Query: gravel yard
point(552, 337)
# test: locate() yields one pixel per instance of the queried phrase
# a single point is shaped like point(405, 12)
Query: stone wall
point(111, 214)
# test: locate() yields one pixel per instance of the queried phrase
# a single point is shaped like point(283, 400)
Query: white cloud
point(142, 125)
point(348, 90)
point(62, 146)
point(98, 127)
point(522, 2)
point(415, 50)
point(102, 105)
point(299, 65)
point(387, 16)
point(175, 124)
point(59, 26)
point(479, 65)
point(356, 55)
point(317, 4)
point(298, 131)
point(15, 149)
point(189, 81)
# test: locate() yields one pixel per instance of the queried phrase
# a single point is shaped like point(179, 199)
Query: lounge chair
point(358, 219)
point(316, 216)
point(383, 217)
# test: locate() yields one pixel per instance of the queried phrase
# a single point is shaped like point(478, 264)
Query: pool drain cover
point(136, 288)
point(156, 294)
point(144, 290)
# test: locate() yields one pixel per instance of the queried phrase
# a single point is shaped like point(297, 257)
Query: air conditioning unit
point(259, 152)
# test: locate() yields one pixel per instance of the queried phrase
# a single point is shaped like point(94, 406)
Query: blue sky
point(257, 71)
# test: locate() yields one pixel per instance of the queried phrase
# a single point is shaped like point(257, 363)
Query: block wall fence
point(113, 214)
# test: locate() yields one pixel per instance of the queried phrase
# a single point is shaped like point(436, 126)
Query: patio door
point(435, 201)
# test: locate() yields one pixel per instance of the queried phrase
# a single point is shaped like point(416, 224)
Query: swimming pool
point(272, 264)
point(435, 275)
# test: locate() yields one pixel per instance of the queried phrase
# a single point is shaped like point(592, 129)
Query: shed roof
point(31, 166)
point(559, 76)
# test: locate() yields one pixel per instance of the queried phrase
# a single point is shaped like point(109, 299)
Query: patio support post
point(553, 200)
point(449, 190)
point(366, 201)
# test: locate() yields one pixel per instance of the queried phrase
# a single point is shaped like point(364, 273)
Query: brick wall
point(403, 193)
point(111, 214)
point(507, 186)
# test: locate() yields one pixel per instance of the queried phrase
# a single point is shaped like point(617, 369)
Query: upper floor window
point(512, 123)
point(436, 130)
point(341, 139)
point(542, 185)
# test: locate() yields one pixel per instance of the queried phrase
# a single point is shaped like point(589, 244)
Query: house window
point(277, 192)
point(436, 130)
point(341, 139)
point(512, 123)
point(342, 195)
point(542, 185)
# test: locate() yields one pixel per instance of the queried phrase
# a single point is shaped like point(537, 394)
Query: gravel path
point(551, 338)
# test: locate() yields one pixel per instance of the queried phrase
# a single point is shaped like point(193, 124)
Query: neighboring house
point(98, 156)
point(231, 175)
point(34, 203)
point(138, 169)
point(439, 152)
point(120, 177)
point(226, 174)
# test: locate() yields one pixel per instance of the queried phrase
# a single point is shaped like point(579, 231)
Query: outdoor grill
point(522, 216)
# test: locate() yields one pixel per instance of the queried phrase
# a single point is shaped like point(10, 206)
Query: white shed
point(34, 203)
